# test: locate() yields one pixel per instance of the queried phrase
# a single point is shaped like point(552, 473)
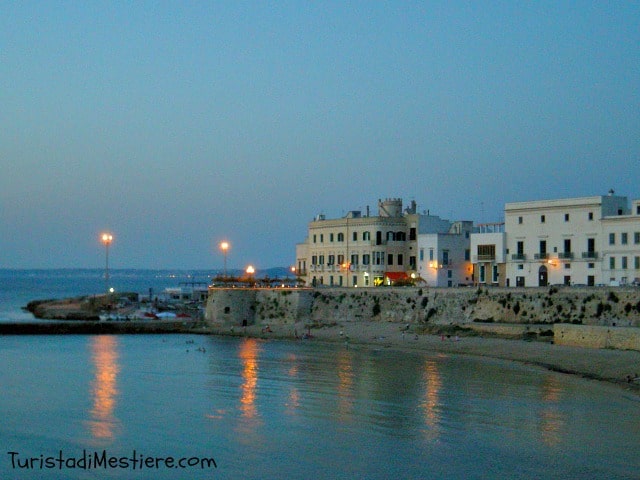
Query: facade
point(364, 251)
point(575, 241)
point(488, 254)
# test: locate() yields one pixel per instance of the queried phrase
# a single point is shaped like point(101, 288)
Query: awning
point(395, 276)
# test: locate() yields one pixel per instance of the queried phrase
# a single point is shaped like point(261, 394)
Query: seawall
point(541, 313)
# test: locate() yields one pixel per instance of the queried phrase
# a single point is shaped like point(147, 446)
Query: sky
point(177, 125)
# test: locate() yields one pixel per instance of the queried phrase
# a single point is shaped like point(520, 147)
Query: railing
point(520, 257)
point(540, 256)
point(484, 258)
point(565, 255)
point(591, 255)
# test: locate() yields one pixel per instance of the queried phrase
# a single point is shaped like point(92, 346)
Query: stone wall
point(495, 310)
point(621, 338)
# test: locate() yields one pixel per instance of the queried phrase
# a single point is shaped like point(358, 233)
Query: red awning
point(395, 276)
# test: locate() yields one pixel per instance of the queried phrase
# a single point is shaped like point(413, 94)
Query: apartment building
point(588, 240)
point(360, 250)
point(488, 254)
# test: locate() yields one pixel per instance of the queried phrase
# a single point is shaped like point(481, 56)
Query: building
point(488, 254)
point(363, 251)
point(588, 240)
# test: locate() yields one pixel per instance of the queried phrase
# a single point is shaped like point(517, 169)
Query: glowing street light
point(224, 246)
point(106, 238)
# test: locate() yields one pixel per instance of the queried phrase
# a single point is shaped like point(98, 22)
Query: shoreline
point(617, 367)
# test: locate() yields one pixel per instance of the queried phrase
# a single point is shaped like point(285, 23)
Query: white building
point(488, 254)
point(589, 240)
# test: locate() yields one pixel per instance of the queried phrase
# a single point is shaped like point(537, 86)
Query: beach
point(620, 367)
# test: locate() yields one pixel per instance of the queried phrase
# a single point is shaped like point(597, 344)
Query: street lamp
point(224, 246)
point(106, 238)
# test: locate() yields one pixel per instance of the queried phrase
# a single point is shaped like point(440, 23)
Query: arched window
point(401, 236)
point(391, 236)
point(341, 237)
point(366, 236)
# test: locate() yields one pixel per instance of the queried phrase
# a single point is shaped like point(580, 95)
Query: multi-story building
point(488, 254)
point(364, 251)
point(588, 240)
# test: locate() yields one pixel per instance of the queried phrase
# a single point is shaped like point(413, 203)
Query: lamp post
point(224, 246)
point(106, 238)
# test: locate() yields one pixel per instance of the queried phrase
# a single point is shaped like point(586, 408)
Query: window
point(612, 263)
point(624, 263)
point(331, 237)
point(542, 218)
point(636, 263)
point(400, 259)
point(378, 237)
point(467, 255)
point(486, 252)
point(412, 233)
point(314, 259)
point(567, 246)
point(566, 217)
point(567, 266)
point(340, 259)
point(314, 238)
point(431, 254)
point(341, 237)
point(495, 274)
point(520, 248)
point(366, 259)
point(412, 262)
point(590, 216)
point(520, 220)
point(482, 274)
point(366, 236)
point(637, 209)
point(321, 260)
point(543, 248)
point(332, 260)
point(355, 236)
point(624, 238)
point(354, 259)
point(422, 254)
point(591, 265)
point(449, 273)
point(636, 237)
point(612, 239)
point(445, 257)
point(591, 280)
point(390, 259)
point(322, 238)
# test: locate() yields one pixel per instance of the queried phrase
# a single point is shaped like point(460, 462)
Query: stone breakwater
point(569, 315)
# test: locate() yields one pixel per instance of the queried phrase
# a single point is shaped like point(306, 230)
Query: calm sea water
point(275, 409)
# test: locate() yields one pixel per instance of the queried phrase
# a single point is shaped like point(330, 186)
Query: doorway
point(543, 276)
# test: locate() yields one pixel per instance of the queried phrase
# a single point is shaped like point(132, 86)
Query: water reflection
point(345, 385)
point(249, 357)
point(293, 399)
point(104, 388)
point(552, 420)
point(431, 403)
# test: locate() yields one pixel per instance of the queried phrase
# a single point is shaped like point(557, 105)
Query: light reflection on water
point(104, 387)
point(285, 409)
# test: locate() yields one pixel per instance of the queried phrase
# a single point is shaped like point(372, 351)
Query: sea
point(165, 406)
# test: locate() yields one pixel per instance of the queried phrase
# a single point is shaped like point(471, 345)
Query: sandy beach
point(621, 367)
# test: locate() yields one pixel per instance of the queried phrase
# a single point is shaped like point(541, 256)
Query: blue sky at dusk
point(176, 125)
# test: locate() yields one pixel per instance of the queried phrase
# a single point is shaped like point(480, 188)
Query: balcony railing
point(518, 257)
point(540, 256)
point(565, 255)
point(590, 255)
point(485, 258)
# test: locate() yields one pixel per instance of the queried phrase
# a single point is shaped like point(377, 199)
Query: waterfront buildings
point(392, 247)
point(574, 241)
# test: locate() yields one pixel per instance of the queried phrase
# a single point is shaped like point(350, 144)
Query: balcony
point(518, 257)
point(565, 255)
point(589, 255)
point(485, 258)
point(540, 256)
